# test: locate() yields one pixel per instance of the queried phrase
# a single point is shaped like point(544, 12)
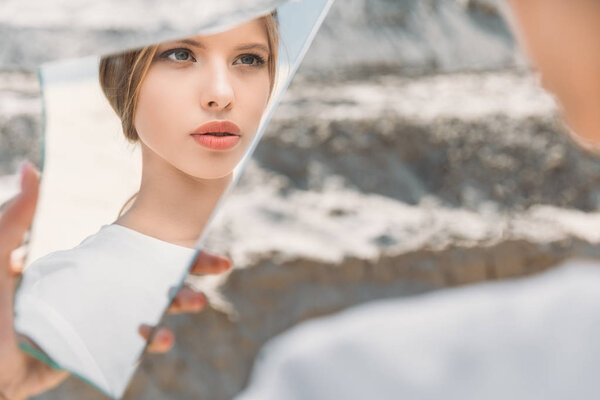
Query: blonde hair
point(121, 78)
point(121, 75)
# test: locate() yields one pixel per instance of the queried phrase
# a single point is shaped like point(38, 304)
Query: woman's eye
point(178, 55)
point(251, 60)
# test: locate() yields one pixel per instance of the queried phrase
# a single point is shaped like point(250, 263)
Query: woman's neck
point(171, 205)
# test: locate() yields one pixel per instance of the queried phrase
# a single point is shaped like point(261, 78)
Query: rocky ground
point(365, 189)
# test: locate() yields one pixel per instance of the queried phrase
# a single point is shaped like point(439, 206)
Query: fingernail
point(225, 264)
point(24, 166)
point(164, 338)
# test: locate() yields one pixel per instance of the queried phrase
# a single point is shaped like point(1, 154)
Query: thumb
point(18, 214)
point(14, 222)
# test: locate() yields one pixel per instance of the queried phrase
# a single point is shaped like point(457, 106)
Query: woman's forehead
point(245, 36)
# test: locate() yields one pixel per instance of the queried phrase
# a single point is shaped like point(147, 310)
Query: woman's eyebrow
point(250, 46)
point(192, 42)
point(245, 46)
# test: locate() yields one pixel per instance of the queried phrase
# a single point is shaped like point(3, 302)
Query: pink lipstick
point(217, 135)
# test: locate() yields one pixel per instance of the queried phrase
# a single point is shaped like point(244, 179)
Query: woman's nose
point(217, 93)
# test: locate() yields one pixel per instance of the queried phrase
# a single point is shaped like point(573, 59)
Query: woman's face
point(220, 77)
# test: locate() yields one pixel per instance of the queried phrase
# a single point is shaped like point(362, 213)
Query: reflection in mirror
point(134, 193)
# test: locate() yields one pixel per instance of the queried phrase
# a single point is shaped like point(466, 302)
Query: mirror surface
point(139, 149)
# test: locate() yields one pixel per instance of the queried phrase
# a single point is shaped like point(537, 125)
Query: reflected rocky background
point(413, 151)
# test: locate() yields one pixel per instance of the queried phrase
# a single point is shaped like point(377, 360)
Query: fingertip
point(16, 217)
point(29, 188)
point(200, 301)
point(164, 340)
point(161, 342)
point(165, 336)
point(29, 175)
point(221, 264)
point(207, 263)
point(225, 263)
point(144, 331)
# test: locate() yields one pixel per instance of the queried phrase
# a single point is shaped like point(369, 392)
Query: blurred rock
point(365, 38)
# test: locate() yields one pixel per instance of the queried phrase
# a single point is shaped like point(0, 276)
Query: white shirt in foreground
point(532, 338)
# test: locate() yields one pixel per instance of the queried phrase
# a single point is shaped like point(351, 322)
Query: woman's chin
point(211, 175)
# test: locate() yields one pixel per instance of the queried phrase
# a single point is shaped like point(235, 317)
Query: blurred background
point(413, 151)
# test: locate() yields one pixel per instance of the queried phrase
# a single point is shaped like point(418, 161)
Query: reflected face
point(202, 99)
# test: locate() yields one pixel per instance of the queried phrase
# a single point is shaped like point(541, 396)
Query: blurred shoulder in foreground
point(531, 338)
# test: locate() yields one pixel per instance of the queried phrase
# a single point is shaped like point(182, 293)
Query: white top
point(528, 339)
point(84, 306)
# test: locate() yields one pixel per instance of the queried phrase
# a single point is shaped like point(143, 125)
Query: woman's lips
point(217, 135)
point(217, 142)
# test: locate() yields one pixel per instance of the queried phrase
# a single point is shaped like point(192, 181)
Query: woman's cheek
point(258, 101)
point(157, 107)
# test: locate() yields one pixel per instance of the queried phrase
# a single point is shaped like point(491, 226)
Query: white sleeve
point(531, 338)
